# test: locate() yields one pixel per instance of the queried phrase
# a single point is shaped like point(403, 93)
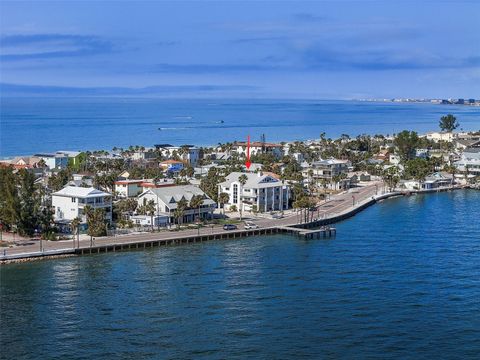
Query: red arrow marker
point(248, 163)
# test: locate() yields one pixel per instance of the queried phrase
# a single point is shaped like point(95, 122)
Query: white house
point(70, 203)
point(166, 199)
point(128, 188)
point(54, 161)
point(258, 147)
point(440, 136)
point(469, 161)
point(189, 153)
point(329, 170)
point(265, 192)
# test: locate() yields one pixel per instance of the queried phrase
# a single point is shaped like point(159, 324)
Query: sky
point(246, 49)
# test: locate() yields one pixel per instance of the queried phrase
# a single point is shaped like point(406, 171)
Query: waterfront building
point(146, 220)
point(128, 188)
point(172, 166)
point(265, 192)
point(257, 147)
point(188, 153)
point(166, 199)
point(54, 161)
point(469, 161)
point(70, 202)
point(329, 170)
point(440, 136)
point(73, 156)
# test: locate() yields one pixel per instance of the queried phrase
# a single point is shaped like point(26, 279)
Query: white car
point(250, 226)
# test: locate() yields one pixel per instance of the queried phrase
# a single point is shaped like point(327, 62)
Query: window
point(235, 193)
point(74, 199)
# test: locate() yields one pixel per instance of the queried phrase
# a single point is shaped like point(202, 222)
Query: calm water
point(401, 280)
point(49, 124)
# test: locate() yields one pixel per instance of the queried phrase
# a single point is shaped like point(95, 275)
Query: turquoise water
point(400, 281)
point(31, 125)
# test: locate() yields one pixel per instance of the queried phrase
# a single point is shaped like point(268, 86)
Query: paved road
point(337, 204)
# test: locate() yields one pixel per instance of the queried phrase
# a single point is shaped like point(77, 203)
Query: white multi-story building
point(258, 147)
point(70, 202)
point(265, 192)
point(54, 161)
point(469, 161)
point(165, 200)
point(188, 153)
point(128, 188)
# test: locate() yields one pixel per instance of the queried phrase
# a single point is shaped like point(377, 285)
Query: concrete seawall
point(185, 239)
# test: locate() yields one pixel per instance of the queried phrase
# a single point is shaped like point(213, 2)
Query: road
point(336, 205)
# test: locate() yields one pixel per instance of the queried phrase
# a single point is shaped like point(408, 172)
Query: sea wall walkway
point(338, 208)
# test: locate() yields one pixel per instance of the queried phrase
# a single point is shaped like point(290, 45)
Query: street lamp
point(353, 200)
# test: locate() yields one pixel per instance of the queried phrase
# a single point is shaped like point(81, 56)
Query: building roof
point(81, 192)
point(257, 144)
point(168, 162)
point(171, 195)
point(254, 180)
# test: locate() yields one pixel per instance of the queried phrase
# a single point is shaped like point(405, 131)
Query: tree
point(9, 200)
point(448, 123)
point(179, 212)
point(223, 198)
point(406, 143)
point(97, 225)
point(196, 202)
point(150, 210)
point(29, 204)
point(242, 179)
point(75, 225)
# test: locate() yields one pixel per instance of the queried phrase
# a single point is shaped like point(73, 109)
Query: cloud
point(382, 59)
point(8, 89)
point(308, 17)
point(47, 46)
point(209, 68)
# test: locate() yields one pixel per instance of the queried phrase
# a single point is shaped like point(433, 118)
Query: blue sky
point(258, 49)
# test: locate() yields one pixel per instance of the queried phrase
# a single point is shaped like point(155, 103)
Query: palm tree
point(75, 224)
point(150, 210)
point(180, 210)
point(242, 179)
point(196, 202)
point(223, 198)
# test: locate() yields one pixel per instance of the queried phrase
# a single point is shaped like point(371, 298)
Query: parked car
point(229, 227)
point(277, 216)
point(250, 226)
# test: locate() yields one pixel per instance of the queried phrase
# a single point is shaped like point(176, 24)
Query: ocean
point(401, 280)
point(32, 125)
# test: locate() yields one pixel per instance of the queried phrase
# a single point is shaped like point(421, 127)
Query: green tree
point(242, 179)
point(9, 199)
point(29, 204)
point(97, 225)
point(223, 198)
point(195, 203)
point(406, 143)
point(448, 123)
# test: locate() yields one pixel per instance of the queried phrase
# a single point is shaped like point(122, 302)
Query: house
point(469, 161)
point(383, 155)
point(437, 180)
point(81, 180)
point(329, 170)
point(440, 136)
point(73, 156)
point(149, 184)
point(70, 202)
point(464, 144)
point(128, 188)
point(146, 220)
point(172, 166)
point(264, 192)
point(258, 147)
point(188, 153)
point(166, 199)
